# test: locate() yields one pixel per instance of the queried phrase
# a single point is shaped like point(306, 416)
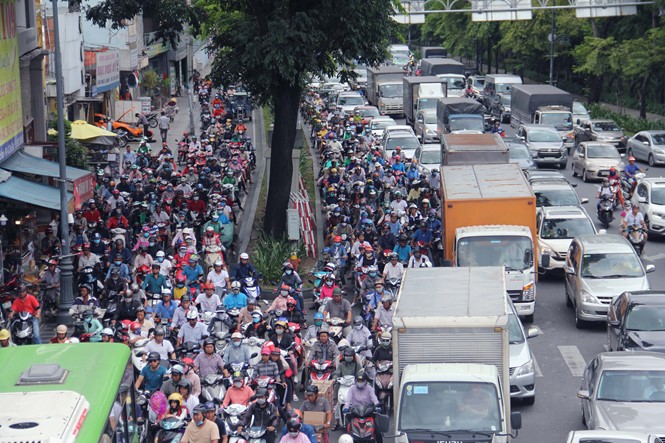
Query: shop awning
point(32, 193)
point(83, 181)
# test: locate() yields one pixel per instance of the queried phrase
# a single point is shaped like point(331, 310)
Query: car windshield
point(403, 142)
point(578, 108)
point(430, 118)
point(350, 100)
point(466, 124)
point(396, 53)
point(618, 265)
point(454, 82)
point(544, 136)
point(605, 127)
point(515, 334)
point(427, 103)
point(602, 151)
point(391, 91)
point(382, 124)
point(632, 386)
point(658, 139)
point(449, 406)
point(430, 158)
point(658, 196)
point(504, 88)
point(478, 82)
point(554, 229)
point(556, 197)
point(646, 318)
point(518, 152)
point(560, 120)
point(369, 112)
point(513, 252)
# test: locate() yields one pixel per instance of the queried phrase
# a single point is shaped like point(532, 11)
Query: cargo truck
point(468, 149)
point(451, 343)
point(384, 89)
point(433, 52)
point(438, 66)
point(489, 219)
point(459, 115)
point(543, 105)
point(420, 93)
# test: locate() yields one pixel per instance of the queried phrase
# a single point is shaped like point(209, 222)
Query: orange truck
point(489, 219)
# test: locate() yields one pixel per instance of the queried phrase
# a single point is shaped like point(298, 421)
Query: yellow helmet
point(175, 397)
point(4, 334)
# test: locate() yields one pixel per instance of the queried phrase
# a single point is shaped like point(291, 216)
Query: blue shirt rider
point(235, 299)
point(244, 268)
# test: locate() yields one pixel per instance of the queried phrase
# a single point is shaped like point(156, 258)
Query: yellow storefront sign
point(11, 126)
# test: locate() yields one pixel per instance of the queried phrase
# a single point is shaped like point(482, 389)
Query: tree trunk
point(643, 96)
point(595, 88)
point(286, 101)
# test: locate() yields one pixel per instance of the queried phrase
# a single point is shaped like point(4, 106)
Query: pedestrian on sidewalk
point(164, 125)
point(143, 121)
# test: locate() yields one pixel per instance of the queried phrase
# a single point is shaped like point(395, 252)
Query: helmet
point(159, 331)
point(631, 159)
point(235, 284)
point(192, 315)
point(345, 438)
point(293, 425)
point(290, 301)
point(606, 182)
point(135, 326)
point(281, 323)
point(349, 352)
point(386, 299)
point(4, 334)
point(210, 406)
point(385, 339)
point(358, 320)
point(153, 356)
point(265, 351)
point(237, 335)
point(218, 263)
point(61, 329)
point(244, 256)
point(199, 409)
point(176, 397)
point(394, 256)
point(107, 331)
point(318, 316)
point(160, 254)
point(177, 369)
point(337, 239)
point(208, 341)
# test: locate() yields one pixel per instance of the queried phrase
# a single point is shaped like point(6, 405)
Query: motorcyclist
point(634, 218)
point(339, 308)
point(127, 307)
point(292, 314)
point(193, 272)
point(323, 349)
point(291, 278)
point(235, 299)
point(246, 314)
point(115, 283)
point(152, 373)
point(244, 268)
point(419, 259)
point(496, 128)
point(349, 364)
point(394, 269)
point(92, 326)
point(359, 335)
point(238, 393)
point(261, 413)
point(384, 313)
point(384, 350)
point(603, 189)
point(171, 385)
point(312, 330)
point(154, 282)
point(615, 183)
point(180, 314)
point(208, 301)
point(630, 171)
point(60, 335)
point(192, 330)
point(360, 394)
point(85, 299)
point(258, 327)
point(208, 361)
point(236, 353)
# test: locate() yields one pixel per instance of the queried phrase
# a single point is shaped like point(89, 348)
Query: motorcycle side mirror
point(622, 155)
point(584, 201)
point(254, 355)
point(650, 268)
point(382, 423)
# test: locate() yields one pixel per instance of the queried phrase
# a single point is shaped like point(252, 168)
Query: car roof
point(365, 107)
point(566, 212)
point(399, 127)
point(595, 143)
point(427, 111)
point(605, 243)
point(653, 132)
point(602, 120)
point(551, 184)
point(431, 147)
point(632, 360)
point(655, 182)
point(546, 127)
point(349, 94)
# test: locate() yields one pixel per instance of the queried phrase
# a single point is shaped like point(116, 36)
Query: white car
point(379, 124)
point(429, 157)
point(602, 436)
point(425, 126)
point(408, 144)
point(556, 227)
point(347, 101)
point(650, 196)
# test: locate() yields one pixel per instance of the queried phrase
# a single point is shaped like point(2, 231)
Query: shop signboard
point(11, 123)
point(107, 72)
point(83, 189)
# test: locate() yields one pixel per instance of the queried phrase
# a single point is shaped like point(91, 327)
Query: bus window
point(121, 423)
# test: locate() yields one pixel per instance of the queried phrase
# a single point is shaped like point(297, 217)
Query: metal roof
point(487, 181)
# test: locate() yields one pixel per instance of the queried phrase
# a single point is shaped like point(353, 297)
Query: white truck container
point(384, 89)
point(451, 354)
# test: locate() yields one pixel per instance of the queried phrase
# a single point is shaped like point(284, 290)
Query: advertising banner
point(107, 71)
point(11, 123)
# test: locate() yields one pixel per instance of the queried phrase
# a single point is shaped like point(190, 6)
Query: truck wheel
point(528, 318)
point(529, 401)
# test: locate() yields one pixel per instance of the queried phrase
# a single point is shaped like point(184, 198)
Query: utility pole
point(552, 40)
point(66, 264)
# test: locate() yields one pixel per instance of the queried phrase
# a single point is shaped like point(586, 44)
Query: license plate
point(603, 173)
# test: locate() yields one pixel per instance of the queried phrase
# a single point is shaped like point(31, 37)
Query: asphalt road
point(562, 351)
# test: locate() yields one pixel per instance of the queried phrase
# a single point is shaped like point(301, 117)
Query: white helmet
point(235, 284)
point(345, 438)
point(107, 331)
point(192, 315)
point(160, 254)
point(237, 335)
point(244, 256)
point(218, 263)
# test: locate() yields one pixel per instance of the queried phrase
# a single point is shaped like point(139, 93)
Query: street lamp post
point(552, 40)
point(66, 265)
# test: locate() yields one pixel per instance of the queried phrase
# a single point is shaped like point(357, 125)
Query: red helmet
point(337, 239)
point(290, 300)
point(188, 361)
point(135, 326)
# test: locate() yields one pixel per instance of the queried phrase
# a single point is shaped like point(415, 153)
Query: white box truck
point(451, 357)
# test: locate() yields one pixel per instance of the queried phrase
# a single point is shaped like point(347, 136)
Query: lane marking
point(536, 368)
point(573, 358)
point(656, 257)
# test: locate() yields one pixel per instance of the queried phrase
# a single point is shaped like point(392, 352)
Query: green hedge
point(630, 124)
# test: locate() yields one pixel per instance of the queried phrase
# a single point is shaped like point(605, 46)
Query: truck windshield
point(513, 252)
point(454, 82)
point(446, 406)
point(617, 265)
point(504, 88)
point(391, 91)
point(560, 120)
point(427, 103)
point(469, 123)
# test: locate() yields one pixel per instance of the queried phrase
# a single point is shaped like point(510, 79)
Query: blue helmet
point(318, 316)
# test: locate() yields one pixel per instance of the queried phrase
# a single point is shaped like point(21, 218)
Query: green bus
point(68, 393)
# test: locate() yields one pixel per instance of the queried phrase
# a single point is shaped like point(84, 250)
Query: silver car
point(599, 268)
point(648, 146)
point(379, 124)
point(425, 126)
point(611, 437)
point(593, 160)
point(522, 367)
point(624, 391)
point(545, 144)
point(429, 157)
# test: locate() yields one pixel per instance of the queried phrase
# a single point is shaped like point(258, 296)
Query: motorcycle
point(213, 389)
point(383, 384)
point(212, 254)
point(318, 371)
point(606, 210)
point(344, 384)
point(232, 416)
point(22, 329)
point(392, 285)
point(361, 423)
point(336, 327)
point(637, 238)
point(170, 430)
point(49, 296)
point(251, 288)
point(255, 434)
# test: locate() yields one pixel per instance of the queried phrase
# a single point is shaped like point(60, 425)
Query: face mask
point(293, 434)
point(237, 343)
point(372, 274)
point(255, 319)
point(329, 283)
point(261, 401)
point(199, 423)
point(348, 359)
point(152, 243)
point(146, 235)
point(118, 263)
point(318, 322)
point(279, 331)
point(215, 219)
point(358, 327)
point(195, 198)
point(289, 272)
point(96, 241)
point(361, 384)
point(237, 384)
point(180, 285)
point(337, 243)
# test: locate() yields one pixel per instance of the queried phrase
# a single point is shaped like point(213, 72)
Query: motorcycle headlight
point(529, 292)
point(587, 297)
point(525, 369)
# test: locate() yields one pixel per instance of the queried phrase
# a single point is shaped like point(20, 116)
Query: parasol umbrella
point(83, 131)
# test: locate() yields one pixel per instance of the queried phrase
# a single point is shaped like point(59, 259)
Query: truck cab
point(507, 246)
point(561, 118)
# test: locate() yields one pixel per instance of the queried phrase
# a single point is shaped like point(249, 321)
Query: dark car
point(636, 322)
point(605, 131)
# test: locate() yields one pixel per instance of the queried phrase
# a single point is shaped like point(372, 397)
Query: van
point(499, 84)
point(598, 268)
